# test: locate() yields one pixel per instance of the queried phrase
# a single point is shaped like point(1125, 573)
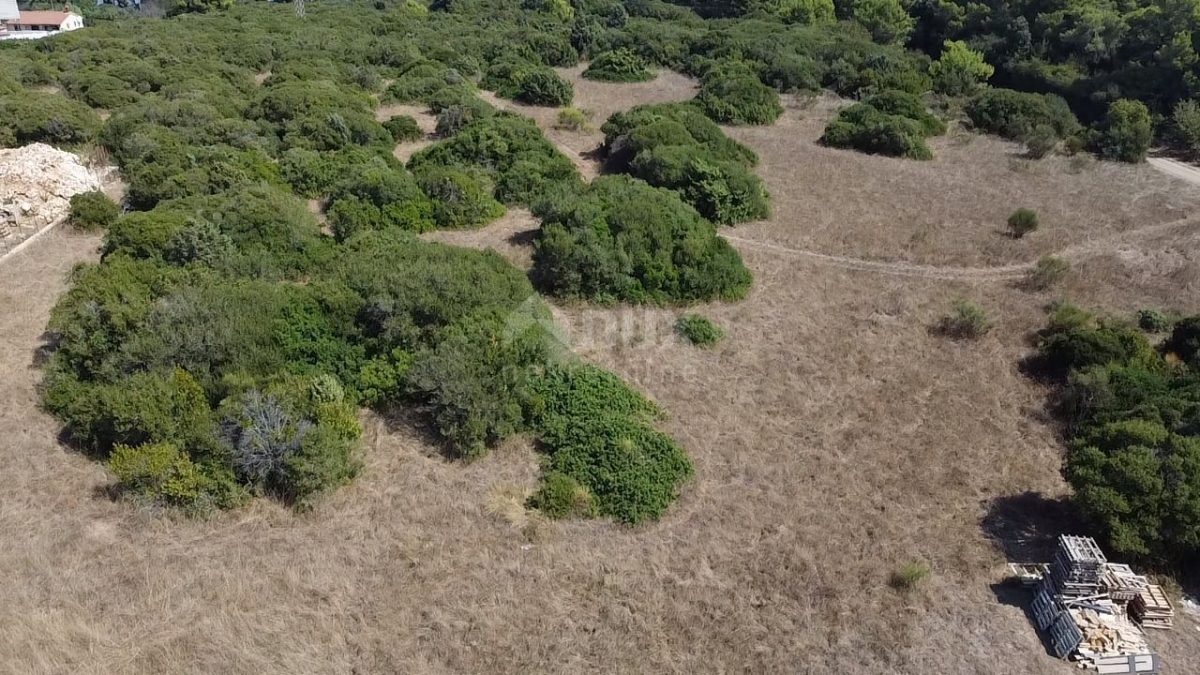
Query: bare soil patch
point(952, 210)
point(426, 120)
point(511, 236)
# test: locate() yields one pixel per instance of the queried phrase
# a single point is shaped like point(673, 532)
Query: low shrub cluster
point(676, 147)
point(1022, 222)
point(621, 65)
point(528, 82)
point(1016, 114)
point(606, 456)
point(966, 321)
point(892, 123)
point(619, 239)
point(699, 330)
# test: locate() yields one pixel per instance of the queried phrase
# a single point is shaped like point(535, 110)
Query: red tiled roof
point(40, 19)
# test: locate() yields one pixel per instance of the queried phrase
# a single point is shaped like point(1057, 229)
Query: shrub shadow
point(416, 419)
point(1025, 527)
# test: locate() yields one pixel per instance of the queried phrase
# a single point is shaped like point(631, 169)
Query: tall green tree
point(960, 70)
point(1127, 131)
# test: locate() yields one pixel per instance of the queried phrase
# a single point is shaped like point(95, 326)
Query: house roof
point(41, 18)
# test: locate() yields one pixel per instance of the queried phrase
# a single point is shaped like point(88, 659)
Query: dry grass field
point(835, 439)
point(952, 210)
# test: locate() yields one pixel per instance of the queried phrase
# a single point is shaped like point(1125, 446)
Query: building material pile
point(36, 186)
point(1084, 605)
point(1152, 608)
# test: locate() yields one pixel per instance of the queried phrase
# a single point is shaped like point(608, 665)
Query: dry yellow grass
point(952, 210)
point(834, 439)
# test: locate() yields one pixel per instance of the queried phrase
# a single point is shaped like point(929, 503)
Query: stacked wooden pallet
point(1078, 566)
point(1121, 583)
point(1152, 608)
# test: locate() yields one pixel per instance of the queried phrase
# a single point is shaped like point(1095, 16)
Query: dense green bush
point(699, 330)
point(1154, 321)
point(1127, 132)
point(511, 151)
point(675, 146)
point(92, 210)
point(960, 70)
point(622, 65)
point(1134, 454)
point(732, 94)
point(379, 198)
point(1022, 222)
point(528, 82)
point(460, 199)
point(1013, 114)
point(891, 123)
point(621, 240)
point(32, 117)
point(547, 88)
point(403, 128)
point(723, 192)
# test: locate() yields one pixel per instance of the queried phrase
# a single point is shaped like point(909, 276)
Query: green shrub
point(1040, 141)
point(960, 70)
point(1077, 346)
point(699, 330)
point(1127, 132)
point(1185, 340)
point(621, 240)
point(621, 65)
point(404, 129)
point(1154, 321)
point(511, 150)
point(460, 200)
point(675, 146)
point(734, 95)
point(1048, 272)
point(1013, 114)
point(160, 474)
point(632, 471)
point(421, 81)
point(92, 211)
point(561, 496)
point(547, 88)
point(380, 198)
point(573, 120)
point(886, 20)
point(910, 576)
point(1022, 222)
point(865, 129)
point(1185, 126)
point(723, 192)
point(966, 321)
point(32, 117)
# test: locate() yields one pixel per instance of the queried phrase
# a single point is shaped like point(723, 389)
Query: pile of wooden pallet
point(1152, 608)
point(1080, 603)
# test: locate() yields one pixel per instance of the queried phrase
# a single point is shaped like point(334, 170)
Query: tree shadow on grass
point(1026, 526)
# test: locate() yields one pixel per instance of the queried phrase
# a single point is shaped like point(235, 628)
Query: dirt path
point(1074, 253)
point(1176, 168)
